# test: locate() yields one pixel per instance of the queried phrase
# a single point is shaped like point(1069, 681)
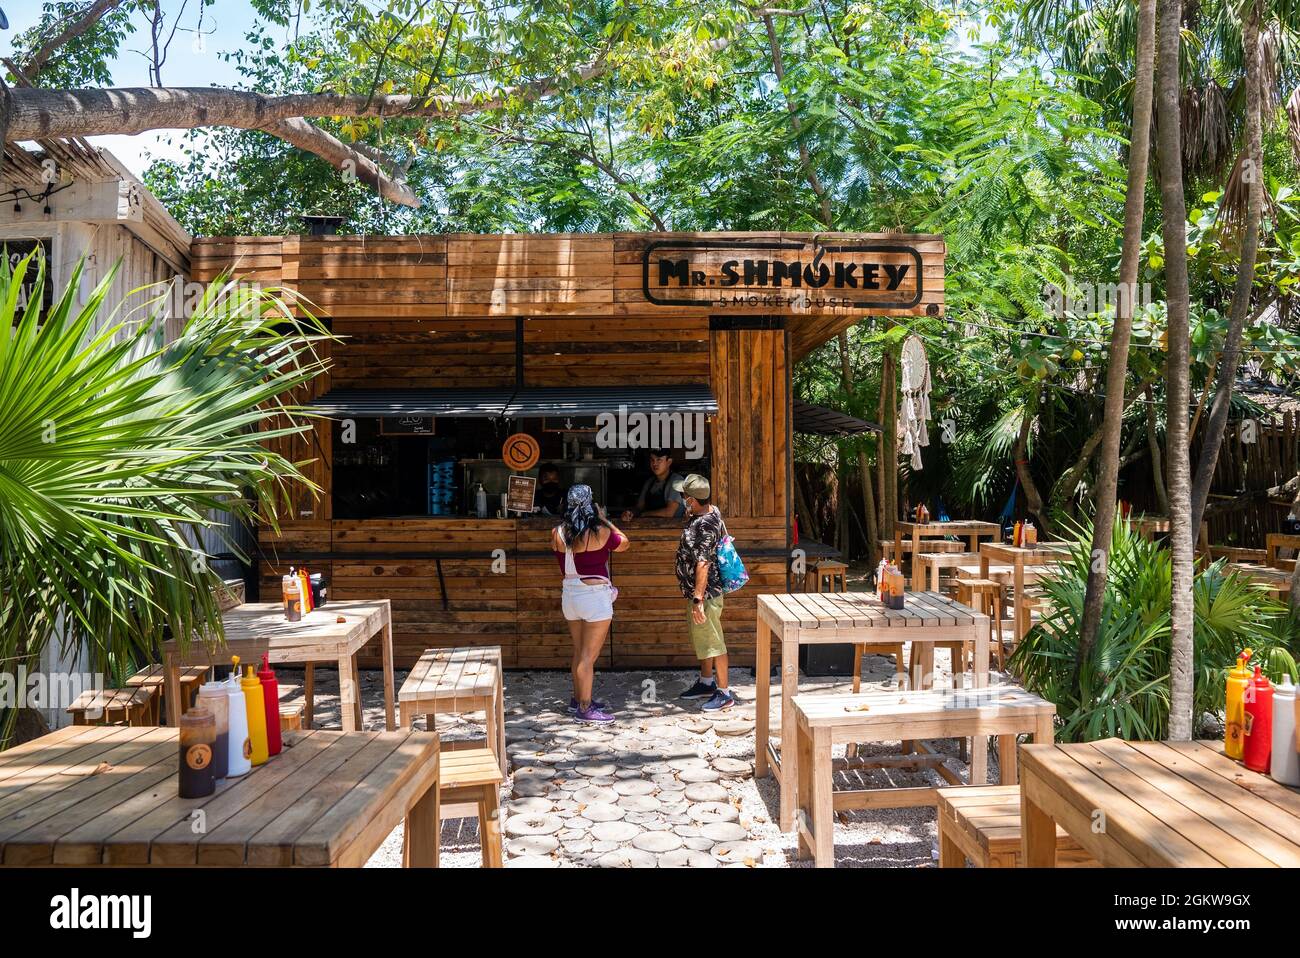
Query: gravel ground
point(666, 785)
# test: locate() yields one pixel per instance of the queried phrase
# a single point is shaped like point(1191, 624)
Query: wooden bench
point(130, 706)
point(823, 721)
point(155, 677)
point(457, 681)
point(469, 781)
point(982, 824)
point(928, 545)
point(933, 564)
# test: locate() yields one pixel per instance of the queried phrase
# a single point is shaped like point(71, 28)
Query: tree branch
point(37, 61)
point(305, 136)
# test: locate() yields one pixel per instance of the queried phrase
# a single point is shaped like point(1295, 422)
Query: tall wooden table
point(972, 529)
point(1157, 804)
point(1018, 557)
point(812, 618)
point(255, 628)
point(107, 795)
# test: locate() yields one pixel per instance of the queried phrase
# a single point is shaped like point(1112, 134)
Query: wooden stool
point(989, 596)
point(828, 569)
point(131, 706)
point(982, 823)
point(290, 718)
point(468, 785)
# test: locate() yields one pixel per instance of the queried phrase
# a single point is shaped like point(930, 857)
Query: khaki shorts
point(707, 638)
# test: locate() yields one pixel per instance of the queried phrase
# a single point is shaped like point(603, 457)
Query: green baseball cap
point(694, 485)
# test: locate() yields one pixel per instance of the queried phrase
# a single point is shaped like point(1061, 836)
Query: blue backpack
point(730, 567)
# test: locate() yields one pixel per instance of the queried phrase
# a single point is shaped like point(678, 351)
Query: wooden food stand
point(449, 344)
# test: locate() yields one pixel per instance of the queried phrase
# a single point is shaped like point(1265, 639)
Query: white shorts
point(587, 603)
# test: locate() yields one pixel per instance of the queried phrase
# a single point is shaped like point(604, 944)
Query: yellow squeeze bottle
point(255, 706)
point(1235, 712)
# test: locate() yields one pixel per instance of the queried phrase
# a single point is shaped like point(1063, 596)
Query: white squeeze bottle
point(1285, 767)
point(241, 749)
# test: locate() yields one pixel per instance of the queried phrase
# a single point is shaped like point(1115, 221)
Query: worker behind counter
point(550, 492)
point(658, 499)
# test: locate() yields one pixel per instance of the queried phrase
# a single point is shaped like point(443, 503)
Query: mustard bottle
point(1235, 712)
point(255, 707)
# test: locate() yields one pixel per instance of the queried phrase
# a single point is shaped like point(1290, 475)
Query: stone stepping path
point(652, 790)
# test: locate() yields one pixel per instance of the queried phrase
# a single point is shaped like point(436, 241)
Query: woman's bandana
point(580, 513)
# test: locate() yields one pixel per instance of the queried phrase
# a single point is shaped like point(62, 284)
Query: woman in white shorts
point(583, 542)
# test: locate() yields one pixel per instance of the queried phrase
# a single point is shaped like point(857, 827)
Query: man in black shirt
point(550, 494)
point(659, 497)
point(700, 580)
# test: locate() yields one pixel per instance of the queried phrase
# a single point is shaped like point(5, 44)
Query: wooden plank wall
point(750, 442)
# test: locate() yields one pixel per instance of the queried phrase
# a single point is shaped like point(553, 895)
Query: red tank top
point(595, 562)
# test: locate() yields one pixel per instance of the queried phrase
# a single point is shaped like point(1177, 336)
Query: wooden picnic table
point(1277, 581)
point(107, 795)
point(255, 628)
point(1155, 804)
point(972, 529)
point(1018, 557)
point(1274, 543)
point(812, 618)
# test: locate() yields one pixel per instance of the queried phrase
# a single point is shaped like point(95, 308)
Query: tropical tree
point(116, 446)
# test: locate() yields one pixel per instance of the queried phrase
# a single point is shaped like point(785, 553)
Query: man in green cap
point(701, 584)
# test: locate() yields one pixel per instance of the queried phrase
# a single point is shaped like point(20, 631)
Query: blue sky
point(187, 63)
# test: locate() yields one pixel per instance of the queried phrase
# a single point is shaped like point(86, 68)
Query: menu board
point(520, 492)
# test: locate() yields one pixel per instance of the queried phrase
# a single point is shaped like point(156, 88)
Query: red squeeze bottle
point(1259, 723)
point(271, 698)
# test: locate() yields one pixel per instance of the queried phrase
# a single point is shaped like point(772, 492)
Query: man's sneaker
point(593, 716)
point(698, 691)
point(720, 702)
point(597, 704)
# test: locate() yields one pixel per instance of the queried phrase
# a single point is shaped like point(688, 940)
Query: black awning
point(539, 401)
point(821, 421)
point(413, 402)
point(528, 403)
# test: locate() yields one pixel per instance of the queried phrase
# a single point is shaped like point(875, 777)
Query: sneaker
point(698, 691)
point(721, 701)
point(593, 716)
point(597, 704)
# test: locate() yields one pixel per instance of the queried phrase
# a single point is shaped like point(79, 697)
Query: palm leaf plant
point(117, 446)
point(1123, 685)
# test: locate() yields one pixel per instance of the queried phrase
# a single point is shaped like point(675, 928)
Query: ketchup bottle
point(1259, 723)
point(271, 696)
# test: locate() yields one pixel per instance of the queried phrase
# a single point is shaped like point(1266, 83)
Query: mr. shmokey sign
point(783, 274)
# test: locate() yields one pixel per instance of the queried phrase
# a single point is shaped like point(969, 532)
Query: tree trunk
point(864, 468)
point(1157, 459)
point(1107, 490)
point(1033, 498)
point(1178, 390)
point(1253, 175)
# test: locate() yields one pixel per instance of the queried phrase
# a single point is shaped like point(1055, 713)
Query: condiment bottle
point(213, 698)
point(271, 698)
point(1234, 712)
point(1259, 723)
point(198, 738)
point(241, 749)
point(291, 588)
point(1285, 761)
point(305, 581)
point(256, 707)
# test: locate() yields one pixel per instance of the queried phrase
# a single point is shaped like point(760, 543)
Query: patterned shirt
point(699, 543)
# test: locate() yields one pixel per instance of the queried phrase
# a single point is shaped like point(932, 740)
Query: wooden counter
point(513, 599)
